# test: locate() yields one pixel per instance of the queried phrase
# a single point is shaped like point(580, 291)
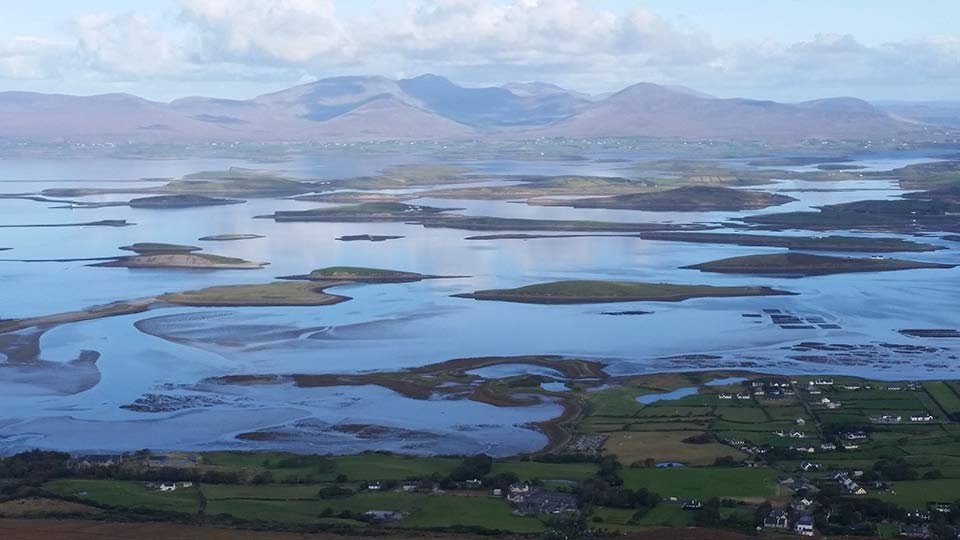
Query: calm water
point(394, 326)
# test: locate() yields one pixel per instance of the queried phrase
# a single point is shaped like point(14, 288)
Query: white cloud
point(478, 41)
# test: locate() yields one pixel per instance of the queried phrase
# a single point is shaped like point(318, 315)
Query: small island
point(181, 201)
point(229, 237)
point(359, 274)
point(192, 261)
point(815, 243)
point(101, 223)
point(367, 238)
point(364, 212)
point(154, 248)
point(280, 293)
point(353, 197)
point(802, 264)
point(681, 199)
point(597, 292)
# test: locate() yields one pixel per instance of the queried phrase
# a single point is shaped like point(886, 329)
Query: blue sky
point(778, 49)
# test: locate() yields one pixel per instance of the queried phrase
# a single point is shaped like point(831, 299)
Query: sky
point(787, 50)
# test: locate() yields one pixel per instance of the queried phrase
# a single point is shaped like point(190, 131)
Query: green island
point(306, 290)
point(229, 237)
point(680, 199)
point(429, 216)
point(289, 293)
point(367, 238)
point(361, 275)
point(234, 182)
point(149, 248)
point(815, 243)
point(168, 259)
point(642, 457)
point(803, 264)
point(180, 201)
point(353, 197)
point(590, 292)
point(545, 186)
point(363, 212)
point(101, 223)
point(924, 212)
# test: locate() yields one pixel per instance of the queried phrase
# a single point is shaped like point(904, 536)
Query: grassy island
point(199, 261)
point(180, 201)
point(364, 212)
point(817, 243)
point(802, 264)
point(229, 237)
point(595, 292)
point(682, 199)
point(281, 293)
point(360, 275)
point(153, 248)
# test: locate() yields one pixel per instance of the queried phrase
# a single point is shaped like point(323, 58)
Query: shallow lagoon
point(387, 327)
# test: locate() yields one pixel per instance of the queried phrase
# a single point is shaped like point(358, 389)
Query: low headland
point(596, 292)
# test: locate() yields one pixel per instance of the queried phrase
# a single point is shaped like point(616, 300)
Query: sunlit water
point(395, 326)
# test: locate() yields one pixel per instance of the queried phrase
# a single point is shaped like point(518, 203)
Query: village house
point(725, 396)
point(808, 466)
point(804, 525)
point(919, 515)
point(409, 486)
point(543, 501)
point(742, 396)
point(921, 417)
point(828, 447)
point(776, 519)
point(98, 460)
point(692, 504)
point(822, 382)
point(376, 485)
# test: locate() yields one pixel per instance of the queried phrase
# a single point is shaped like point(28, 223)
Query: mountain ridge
point(433, 107)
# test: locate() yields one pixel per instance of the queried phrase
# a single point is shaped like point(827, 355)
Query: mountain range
point(432, 107)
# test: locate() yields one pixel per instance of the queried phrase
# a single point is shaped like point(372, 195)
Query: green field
point(944, 395)
point(363, 467)
point(917, 493)
point(422, 511)
point(704, 482)
point(530, 470)
point(127, 494)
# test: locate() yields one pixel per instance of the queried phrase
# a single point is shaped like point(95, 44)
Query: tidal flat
point(152, 355)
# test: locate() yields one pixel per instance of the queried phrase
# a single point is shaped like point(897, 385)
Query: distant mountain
point(650, 110)
point(432, 107)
